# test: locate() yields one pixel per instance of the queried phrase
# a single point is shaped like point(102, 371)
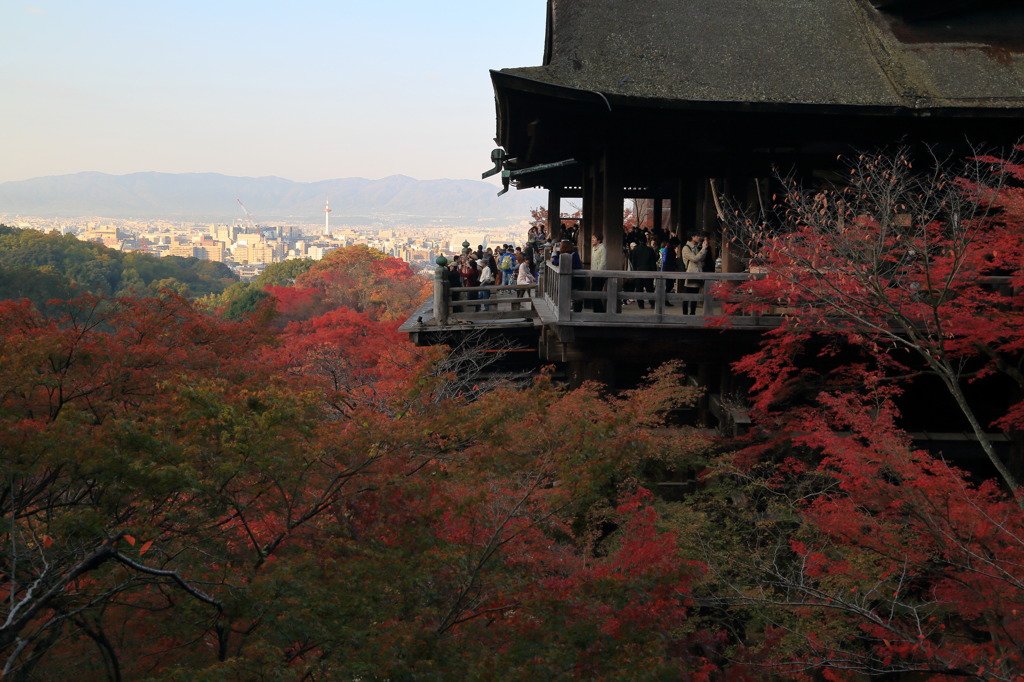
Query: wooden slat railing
point(600, 295)
point(566, 296)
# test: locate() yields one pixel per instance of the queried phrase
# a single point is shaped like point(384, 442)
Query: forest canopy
point(288, 488)
point(40, 266)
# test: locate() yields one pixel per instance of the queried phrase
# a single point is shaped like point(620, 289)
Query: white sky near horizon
point(306, 90)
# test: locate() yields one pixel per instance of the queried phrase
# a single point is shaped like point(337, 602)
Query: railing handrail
point(566, 292)
point(658, 274)
point(556, 289)
point(495, 287)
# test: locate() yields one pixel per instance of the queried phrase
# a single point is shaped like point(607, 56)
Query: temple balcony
point(566, 298)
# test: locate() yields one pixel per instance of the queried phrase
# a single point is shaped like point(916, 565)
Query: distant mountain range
point(213, 197)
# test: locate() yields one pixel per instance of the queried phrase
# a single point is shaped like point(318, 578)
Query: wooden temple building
point(654, 98)
point(677, 102)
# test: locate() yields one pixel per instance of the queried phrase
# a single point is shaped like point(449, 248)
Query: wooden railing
point(612, 297)
point(463, 304)
point(600, 295)
point(565, 296)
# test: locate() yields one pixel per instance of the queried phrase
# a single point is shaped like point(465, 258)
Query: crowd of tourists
point(505, 265)
point(650, 250)
point(646, 250)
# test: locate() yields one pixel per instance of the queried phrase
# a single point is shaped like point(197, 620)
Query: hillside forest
point(206, 479)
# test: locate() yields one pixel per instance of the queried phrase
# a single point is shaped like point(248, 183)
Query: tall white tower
point(327, 218)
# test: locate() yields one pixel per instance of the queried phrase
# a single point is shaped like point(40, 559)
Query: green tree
point(283, 274)
point(38, 285)
point(240, 300)
point(94, 268)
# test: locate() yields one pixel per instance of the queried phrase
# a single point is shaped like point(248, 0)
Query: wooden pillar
point(753, 207)
point(591, 206)
point(659, 211)
point(587, 228)
point(708, 223)
point(676, 211)
point(554, 212)
point(731, 261)
point(687, 208)
point(709, 216)
point(697, 192)
point(611, 212)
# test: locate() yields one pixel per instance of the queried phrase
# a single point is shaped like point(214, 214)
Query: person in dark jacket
point(708, 265)
point(454, 278)
point(643, 259)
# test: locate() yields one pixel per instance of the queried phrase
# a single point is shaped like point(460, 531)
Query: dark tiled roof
point(837, 52)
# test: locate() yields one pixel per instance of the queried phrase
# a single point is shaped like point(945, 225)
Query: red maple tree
point(879, 283)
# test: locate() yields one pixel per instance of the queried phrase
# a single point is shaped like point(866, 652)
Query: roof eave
point(503, 80)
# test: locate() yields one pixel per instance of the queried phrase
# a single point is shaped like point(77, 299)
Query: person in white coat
point(486, 279)
point(598, 261)
point(523, 275)
point(692, 255)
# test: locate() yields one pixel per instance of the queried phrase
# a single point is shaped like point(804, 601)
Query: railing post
point(442, 294)
point(564, 286)
point(709, 309)
point(612, 303)
point(659, 296)
point(545, 256)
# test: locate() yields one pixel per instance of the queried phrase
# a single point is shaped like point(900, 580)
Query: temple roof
point(886, 53)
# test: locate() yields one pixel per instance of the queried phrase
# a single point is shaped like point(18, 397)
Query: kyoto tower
point(327, 218)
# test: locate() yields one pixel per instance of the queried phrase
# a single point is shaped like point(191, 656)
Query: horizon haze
point(215, 196)
point(307, 91)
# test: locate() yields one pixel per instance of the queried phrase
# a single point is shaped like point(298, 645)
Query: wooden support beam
point(687, 208)
point(554, 212)
point(591, 195)
point(731, 261)
point(611, 210)
point(676, 210)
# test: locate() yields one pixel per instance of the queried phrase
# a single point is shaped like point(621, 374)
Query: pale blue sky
point(304, 89)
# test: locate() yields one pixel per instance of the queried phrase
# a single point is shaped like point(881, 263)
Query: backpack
point(506, 262)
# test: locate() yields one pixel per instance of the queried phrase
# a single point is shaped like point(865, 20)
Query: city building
point(108, 235)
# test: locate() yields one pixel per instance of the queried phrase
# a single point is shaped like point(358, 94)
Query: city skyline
point(247, 249)
point(307, 92)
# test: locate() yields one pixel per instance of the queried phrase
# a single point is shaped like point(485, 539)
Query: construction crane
point(248, 216)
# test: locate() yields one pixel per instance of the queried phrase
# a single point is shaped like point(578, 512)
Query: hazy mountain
point(212, 196)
